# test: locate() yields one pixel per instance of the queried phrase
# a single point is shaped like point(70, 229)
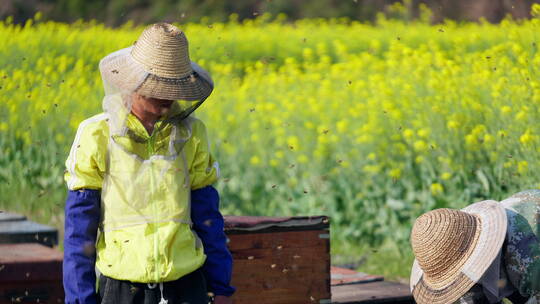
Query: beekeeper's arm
point(206, 217)
point(84, 174)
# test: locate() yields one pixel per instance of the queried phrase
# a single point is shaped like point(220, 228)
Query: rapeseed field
point(369, 124)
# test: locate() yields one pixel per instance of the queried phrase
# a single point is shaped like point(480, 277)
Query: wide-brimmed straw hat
point(453, 249)
point(157, 65)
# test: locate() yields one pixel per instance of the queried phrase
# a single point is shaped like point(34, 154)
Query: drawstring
point(152, 286)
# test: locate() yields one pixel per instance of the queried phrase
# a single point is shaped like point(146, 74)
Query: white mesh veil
point(121, 76)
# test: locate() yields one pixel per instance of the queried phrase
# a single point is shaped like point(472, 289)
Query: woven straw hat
point(453, 249)
point(158, 66)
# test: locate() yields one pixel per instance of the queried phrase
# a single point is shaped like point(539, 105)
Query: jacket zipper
point(151, 147)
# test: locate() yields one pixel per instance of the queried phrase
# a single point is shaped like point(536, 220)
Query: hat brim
point(492, 233)
point(123, 72)
point(190, 88)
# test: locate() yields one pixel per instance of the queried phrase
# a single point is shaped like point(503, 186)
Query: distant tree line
point(116, 12)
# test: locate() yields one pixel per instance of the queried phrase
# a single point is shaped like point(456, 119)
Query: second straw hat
point(157, 65)
point(453, 249)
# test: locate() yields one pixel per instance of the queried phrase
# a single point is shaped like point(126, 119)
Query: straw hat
point(453, 249)
point(158, 66)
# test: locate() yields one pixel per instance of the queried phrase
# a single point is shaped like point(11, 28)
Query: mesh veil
point(121, 76)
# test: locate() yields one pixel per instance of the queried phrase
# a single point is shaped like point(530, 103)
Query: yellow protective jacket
point(145, 180)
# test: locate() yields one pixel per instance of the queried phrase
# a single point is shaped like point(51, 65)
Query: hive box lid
point(15, 228)
point(24, 231)
point(8, 217)
point(263, 224)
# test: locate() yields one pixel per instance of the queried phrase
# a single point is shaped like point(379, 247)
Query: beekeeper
point(485, 253)
point(139, 177)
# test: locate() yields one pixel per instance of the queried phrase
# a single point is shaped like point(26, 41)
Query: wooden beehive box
point(30, 273)
point(280, 260)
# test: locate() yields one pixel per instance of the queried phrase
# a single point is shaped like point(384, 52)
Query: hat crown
point(163, 50)
point(442, 240)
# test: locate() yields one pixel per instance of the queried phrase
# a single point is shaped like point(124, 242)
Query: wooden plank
point(286, 255)
point(281, 297)
point(291, 239)
point(274, 295)
point(244, 267)
point(277, 279)
point(342, 276)
point(372, 293)
point(12, 232)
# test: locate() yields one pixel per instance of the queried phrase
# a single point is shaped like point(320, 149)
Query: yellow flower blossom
point(408, 133)
point(420, 145)
point(423, 132)
point(521, 115)
point(255, 160)
point(436, 188)
point(373, 169)
point(526, 138)
point(452, 124)
point(488, 139)
point(522, 167)
point(506, 109)
point(471, 140)
point(395, 173)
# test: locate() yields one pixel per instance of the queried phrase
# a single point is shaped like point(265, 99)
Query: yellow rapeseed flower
point(420, 145)
point(452, 124)
point(471, 140)
point(423, 132)
point(488, 139)
point(522, 167)
point(506, 109)
point(372, 169)
point(521, 115)
point(395, 173)
point(255, 160)
point(526, 138)
point(436, 188)
point(408, 133)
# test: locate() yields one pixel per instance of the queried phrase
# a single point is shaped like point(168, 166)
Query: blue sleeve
point(82, 214)
point(208, 223)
